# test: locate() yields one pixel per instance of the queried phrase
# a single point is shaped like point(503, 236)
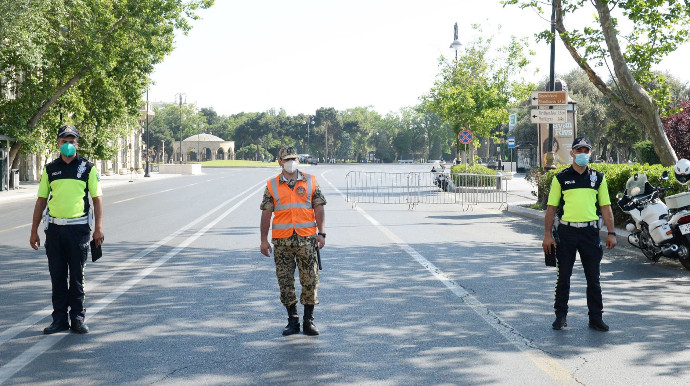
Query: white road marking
point(45, 344)
point(543, 361)
point(90, 285)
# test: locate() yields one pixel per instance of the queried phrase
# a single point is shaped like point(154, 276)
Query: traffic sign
point(549, 98)
point(511, 142)
point(549, 116)
point(465, 136)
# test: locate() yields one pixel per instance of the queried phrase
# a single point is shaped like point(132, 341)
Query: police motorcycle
point(657, 228)
point(440, 176)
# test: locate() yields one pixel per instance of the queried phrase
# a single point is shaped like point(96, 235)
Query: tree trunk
point(643, 108)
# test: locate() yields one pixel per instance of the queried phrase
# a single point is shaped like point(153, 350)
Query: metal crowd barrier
point(423, 188)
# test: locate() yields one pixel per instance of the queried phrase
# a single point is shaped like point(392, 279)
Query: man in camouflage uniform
point(295, 245)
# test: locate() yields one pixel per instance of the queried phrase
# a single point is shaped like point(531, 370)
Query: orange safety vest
point(293, 211)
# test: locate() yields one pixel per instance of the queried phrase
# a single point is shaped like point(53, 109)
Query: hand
point(547, 243)
point(98, 236)
point(35, 240)
point(320, 242)
point(266, 249)
point(611, 241)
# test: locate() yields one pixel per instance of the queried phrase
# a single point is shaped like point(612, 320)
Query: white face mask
point(290, 166)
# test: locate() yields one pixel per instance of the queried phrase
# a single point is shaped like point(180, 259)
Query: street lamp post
point(550, 157)
point(309, 119)
point(147, 135)
point(180, 95)
point(456, 46)
point(456, 43)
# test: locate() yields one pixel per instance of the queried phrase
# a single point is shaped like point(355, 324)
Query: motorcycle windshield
point(636, 187)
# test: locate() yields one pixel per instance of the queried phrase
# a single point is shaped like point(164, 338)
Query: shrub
point(616, 177)
point(645, 153)
point(473, 169)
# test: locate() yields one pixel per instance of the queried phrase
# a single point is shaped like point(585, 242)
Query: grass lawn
point(239, 164)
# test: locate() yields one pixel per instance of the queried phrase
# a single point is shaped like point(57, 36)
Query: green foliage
point(473, 169)
point(84, 63)
point(645, 153)
point(476, 90)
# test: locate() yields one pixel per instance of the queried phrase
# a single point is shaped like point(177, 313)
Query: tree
point(82, 62)
point(678, 130)
point(658, 27)
point(476, 90)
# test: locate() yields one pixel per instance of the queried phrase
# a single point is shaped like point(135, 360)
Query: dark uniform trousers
point(585, 241)
point(67, 247)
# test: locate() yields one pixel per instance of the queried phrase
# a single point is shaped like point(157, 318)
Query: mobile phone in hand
point(550, 258)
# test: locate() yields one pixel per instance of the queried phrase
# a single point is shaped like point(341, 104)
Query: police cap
point(66, 131)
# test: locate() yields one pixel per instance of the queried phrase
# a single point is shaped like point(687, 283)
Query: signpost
point(511, 145)
point(512, 121)
point(549, 116)
point(465, 137)
point(549, 98)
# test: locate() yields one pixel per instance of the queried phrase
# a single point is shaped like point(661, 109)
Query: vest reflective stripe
point(274, 185)
point(293, 212)
point(309, 187)
point(306, 225)
point(296, 226)
point(293, 205)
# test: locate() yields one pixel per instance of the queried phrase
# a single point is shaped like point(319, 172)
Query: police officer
point(295, 202)
point(577, 191)
point(64, 188)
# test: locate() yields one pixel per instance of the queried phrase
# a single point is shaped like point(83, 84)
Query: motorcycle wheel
point(685, 261)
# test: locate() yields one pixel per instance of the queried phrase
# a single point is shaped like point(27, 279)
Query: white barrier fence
point(425, 188)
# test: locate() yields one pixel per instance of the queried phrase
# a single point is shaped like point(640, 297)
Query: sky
point(300, 55)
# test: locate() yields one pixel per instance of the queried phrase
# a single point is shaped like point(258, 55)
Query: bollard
point(499, 177)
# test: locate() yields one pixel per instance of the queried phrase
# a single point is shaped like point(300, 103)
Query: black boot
point(597, 323)
point(293, 321)
point(560, 322)
point(308, 326)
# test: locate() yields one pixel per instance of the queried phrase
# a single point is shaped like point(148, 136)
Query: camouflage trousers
point(303, 257)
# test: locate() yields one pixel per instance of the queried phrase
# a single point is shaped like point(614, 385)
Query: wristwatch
point(612, 233)
point(322, 235)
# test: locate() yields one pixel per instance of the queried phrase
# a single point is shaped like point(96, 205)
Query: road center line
point(45, 344)
point(90, 285)
point(541, 359)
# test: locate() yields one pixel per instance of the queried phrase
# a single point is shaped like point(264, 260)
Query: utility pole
point(147, 135)
point(552, 86)
point(180, 95)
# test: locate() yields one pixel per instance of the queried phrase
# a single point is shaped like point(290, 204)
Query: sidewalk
point(28, 190)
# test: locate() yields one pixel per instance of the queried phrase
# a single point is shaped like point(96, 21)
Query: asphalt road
point(431, 296)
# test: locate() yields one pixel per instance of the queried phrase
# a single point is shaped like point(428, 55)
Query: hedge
point(472, 169)
point(616, 177)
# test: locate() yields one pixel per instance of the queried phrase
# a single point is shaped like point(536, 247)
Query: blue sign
point(465, 137)
point(511, 142)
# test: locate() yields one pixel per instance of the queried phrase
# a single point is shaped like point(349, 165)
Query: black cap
point(581, 142)
point(65, 131)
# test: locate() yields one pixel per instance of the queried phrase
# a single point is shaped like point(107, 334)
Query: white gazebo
point(208, 146)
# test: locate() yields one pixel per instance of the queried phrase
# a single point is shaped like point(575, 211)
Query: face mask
point(290, 166)
point(68, 149)
point(582, 159)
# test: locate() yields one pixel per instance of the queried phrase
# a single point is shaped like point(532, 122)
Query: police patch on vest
point(301, 191)
point(81, 169)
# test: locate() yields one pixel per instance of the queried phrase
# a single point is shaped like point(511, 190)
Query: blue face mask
point(582, 159)
point(68, 149)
